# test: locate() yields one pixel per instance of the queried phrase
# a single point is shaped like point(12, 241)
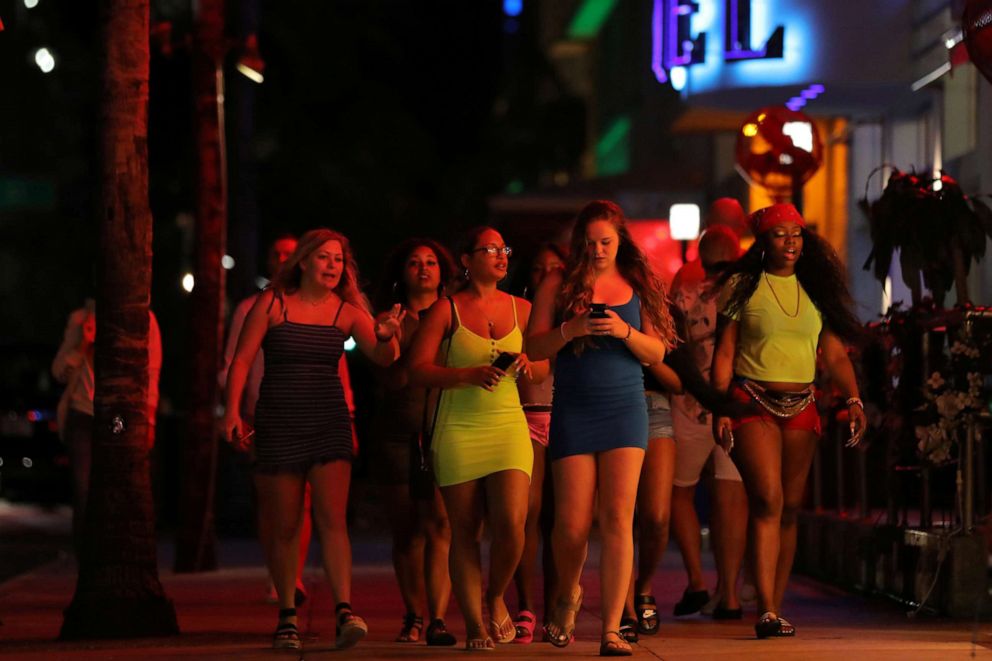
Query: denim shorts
point(659, 415)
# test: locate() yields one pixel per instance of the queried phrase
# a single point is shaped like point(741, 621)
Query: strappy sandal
point(558, 634)
point(618, 647)
point(526, 620)
point(350, 628)
point(768, 625)
point(628, 629)
point(287, 636)
point(413, 624)
point(785, 628)
point(647, 614)
point(437, 634)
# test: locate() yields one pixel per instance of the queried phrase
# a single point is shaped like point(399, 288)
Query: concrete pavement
point(223, 615)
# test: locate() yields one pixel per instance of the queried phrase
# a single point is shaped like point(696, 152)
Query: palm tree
point(118, 593)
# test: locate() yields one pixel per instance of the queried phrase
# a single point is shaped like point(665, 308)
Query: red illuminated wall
point(665, 255)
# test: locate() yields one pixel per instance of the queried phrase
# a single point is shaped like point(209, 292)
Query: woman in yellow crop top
point(481, 444)
point(784, 301)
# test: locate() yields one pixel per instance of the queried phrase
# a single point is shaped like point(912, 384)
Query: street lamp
point(683, 222)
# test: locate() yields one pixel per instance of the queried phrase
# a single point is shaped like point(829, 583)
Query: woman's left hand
point(522, 366)
point(388, 326)
point(611, 325)
point(856, 414)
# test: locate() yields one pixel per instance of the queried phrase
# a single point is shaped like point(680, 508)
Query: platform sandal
point(413, 624)
point(287, 636)
point(350, 628)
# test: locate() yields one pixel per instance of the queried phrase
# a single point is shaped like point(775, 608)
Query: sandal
point(768, 625)
point(785, 628)
point(560, 635)
point(350, 628)
point(502, 632)
point(480, 645)
point(692, 601)
point(437, 634)
point(647, 614)
point(628, 629)
point(618, 647)
point(413, 624)
point(525, 627)
point(287, 636)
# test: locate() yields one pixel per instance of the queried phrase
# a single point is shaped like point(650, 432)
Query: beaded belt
point(780, 403)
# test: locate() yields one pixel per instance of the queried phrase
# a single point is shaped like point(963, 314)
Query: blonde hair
point(290, 274)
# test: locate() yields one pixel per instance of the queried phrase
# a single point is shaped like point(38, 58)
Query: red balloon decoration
point(777, 147)
point(976, 24)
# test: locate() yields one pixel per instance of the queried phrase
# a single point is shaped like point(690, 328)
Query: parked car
point(34, 463)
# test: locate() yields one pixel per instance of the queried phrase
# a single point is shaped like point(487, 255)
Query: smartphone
point(504, 360)
point(597, 311)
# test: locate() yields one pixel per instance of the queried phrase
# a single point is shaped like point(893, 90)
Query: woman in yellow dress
point(481, 444)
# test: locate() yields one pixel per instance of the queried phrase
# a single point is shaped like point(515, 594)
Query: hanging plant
point(938, 230)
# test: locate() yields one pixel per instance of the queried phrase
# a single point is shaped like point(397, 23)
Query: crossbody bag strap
point(427, 433)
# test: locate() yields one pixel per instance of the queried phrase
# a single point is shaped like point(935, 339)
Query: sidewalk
point(222, 615)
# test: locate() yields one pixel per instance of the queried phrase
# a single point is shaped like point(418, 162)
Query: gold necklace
point(782, 307)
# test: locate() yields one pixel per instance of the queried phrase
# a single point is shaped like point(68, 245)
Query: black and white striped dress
point(302, 418)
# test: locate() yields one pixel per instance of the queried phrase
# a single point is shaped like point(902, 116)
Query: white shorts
point(694, 446)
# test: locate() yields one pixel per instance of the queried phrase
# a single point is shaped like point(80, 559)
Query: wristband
point(630, 329)
point(856, 400)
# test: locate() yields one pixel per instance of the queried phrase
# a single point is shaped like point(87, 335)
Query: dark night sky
point(376, 118)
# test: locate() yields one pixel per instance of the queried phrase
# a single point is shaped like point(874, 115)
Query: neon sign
point(674, 44)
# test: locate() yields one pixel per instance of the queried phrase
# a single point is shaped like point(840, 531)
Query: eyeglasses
point(492, 251)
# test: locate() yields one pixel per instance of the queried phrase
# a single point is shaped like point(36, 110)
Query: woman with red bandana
point(785, 300)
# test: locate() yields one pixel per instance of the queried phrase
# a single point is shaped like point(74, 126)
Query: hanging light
point(683, 219)
point(250, 64)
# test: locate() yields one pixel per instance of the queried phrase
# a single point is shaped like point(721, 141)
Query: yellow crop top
point(771, 344)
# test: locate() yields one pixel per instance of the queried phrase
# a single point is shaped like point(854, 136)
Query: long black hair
point(818, 270)
point(392, 287)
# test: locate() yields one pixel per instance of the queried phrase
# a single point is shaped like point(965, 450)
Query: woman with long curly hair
point(416, 274)
point(303, 430)
point(784, 301)
point(601, 319)
point(481, 445)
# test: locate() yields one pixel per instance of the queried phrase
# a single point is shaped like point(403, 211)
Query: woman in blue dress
point(599, 419)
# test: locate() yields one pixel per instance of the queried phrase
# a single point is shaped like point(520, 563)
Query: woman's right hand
point(486, 376)
point(723, 431)
point(235, 432)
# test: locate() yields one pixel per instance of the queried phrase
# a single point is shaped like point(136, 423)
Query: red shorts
point(806, 420)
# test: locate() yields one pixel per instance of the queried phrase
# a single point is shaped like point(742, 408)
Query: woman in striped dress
point(302, 425)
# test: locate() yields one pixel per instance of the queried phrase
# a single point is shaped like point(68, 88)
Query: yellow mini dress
point(479, 432)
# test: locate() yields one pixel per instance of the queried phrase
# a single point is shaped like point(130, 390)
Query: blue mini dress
point(598, 401)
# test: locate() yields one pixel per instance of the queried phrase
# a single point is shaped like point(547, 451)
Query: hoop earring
point(396, 286)
point(762, 256)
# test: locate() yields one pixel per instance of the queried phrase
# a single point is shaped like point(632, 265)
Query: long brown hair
point(288, 279)
point(576, 291)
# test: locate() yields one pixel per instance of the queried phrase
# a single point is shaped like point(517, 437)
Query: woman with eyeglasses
point(481, 445)
point(601, 319)
point(783, 302)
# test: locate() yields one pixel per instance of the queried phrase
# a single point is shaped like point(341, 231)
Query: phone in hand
point(504, 360)
point(597, 311)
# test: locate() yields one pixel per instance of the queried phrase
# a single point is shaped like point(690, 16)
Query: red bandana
point(763, 220)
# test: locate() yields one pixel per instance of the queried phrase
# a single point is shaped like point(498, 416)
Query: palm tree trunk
point(196, 539)
point(118, 593)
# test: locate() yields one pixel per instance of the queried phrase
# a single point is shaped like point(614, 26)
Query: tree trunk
point(196, 540)
point(118, 593)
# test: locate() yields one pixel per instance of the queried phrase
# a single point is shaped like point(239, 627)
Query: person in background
point(416, 274)
point(696, 298)
point(783, 302)
point(536, 400)
point(303, 429)
point(601, 319)
point(481, 445)
point(73, 366)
